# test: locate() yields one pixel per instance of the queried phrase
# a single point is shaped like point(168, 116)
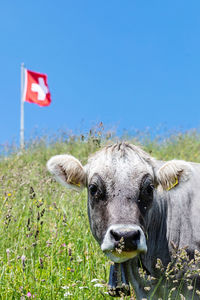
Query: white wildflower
point(94, 280)
point(98, 285)
point(67, 294)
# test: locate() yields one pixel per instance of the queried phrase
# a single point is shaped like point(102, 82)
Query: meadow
point(47, 250)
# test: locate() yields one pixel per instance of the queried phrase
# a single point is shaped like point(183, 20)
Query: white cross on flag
point(36, 88)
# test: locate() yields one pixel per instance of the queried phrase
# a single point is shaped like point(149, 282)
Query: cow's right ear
point(68, 171)
point(173, 173)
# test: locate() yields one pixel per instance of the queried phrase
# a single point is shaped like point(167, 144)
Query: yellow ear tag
point(174, 184)
point(75, 183)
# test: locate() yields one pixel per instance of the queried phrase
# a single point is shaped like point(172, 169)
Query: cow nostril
point(135, 235)
point(131, 240)
point(117, 236)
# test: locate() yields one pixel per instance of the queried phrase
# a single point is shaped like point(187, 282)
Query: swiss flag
point(36, 88)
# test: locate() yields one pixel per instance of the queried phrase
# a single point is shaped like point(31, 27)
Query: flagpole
point(22, 109)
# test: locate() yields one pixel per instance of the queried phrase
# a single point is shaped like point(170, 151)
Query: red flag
point(36, 88)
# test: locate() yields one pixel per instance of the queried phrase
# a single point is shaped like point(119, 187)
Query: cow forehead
point(120, 161)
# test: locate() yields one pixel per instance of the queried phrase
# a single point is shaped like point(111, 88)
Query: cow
point(141, 211)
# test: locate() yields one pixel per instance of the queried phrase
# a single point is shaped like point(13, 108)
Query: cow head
point(121, 180)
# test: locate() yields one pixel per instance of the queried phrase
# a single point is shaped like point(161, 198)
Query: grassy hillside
point(46, 247)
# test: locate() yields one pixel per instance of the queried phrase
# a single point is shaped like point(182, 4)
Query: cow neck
point(157, 243)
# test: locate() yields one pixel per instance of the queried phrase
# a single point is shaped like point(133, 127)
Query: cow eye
point(96, 189)
point(147, 185)
point(146, 193)
point(149, 188)
point(93, 189)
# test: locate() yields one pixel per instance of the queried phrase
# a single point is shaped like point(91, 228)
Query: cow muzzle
point(123, 242)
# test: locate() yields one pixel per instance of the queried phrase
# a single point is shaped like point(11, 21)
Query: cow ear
point(173, 173)
point(68, 171)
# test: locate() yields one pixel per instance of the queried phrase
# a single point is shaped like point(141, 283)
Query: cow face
point(120, 193)
point(121, 181)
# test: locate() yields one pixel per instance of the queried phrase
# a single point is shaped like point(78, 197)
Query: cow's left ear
point(173, 173)
point(68, 171)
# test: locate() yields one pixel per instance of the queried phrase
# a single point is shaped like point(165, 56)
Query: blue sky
point(130, 64)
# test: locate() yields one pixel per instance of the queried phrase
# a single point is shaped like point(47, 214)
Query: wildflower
point(8, 255)
point(142, 273)
point(67, 294)
point(54, 204)
point(98, 285)
point(50, 208)
point(36, 234)
point(83, 287)
point(171, 292)
point(70, 252)
point(68, 269)
point(95, 280)
point(151, 278)
point(159, 264)
point(9, 194)
point(23, 257)
point(41, 263)
point(42, 212)
point(64, 287)
point(64, 245)
point(79, 260)
point(175, 281)
point(48, 243)
point(147, 288)
point(29, 294)
point(190, 287)
point(32, 193)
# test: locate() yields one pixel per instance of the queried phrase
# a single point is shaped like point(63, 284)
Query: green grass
point(46, 245)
